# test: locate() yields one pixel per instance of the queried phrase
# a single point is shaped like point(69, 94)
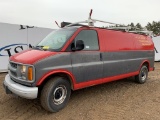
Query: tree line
point(154, 26)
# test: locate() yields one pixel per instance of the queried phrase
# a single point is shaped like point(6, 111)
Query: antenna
point(57, 24)
point(90, 14)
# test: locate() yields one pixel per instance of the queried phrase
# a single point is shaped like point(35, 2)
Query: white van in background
point(14, 38)
point(156, 41)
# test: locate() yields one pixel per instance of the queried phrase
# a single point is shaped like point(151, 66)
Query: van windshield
point(56, 39)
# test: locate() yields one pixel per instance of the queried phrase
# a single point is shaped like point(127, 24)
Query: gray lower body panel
point(117, 63)
point(93, 65)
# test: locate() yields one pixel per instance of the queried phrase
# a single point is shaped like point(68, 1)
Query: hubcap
point(144, 75)
point(59, 94)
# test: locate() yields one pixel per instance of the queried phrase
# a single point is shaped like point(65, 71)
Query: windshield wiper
point(39, 47)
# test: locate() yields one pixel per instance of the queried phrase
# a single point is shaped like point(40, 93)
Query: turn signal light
point(30, 73)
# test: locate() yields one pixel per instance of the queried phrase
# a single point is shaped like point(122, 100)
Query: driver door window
point(89, 38)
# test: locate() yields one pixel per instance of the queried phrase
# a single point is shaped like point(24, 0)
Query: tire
point(55, 94)
point(143, 75)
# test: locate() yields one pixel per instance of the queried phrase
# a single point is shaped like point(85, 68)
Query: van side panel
point(117, 63)
point(124, 52)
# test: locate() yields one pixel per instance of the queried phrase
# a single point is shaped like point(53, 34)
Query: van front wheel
point(143, 75)
point(55, 94)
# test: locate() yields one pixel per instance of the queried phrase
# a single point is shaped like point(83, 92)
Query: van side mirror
point(79, 45)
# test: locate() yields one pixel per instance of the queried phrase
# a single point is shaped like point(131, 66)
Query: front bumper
point(20, 90)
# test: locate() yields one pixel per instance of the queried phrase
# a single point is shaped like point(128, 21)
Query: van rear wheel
point(55, 94)
point(143, 75)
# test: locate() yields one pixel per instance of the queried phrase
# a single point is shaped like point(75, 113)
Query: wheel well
point(55, 75)
point(146, 64)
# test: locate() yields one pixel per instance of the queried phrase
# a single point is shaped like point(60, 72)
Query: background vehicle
point(14, 38)
point(156, 41)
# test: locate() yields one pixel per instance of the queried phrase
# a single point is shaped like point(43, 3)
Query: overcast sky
point(43, 13)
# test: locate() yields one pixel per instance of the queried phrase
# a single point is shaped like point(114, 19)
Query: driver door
point(87, 64)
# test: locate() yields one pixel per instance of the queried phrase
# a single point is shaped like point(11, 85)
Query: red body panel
point(120, 41)
point(31, 56)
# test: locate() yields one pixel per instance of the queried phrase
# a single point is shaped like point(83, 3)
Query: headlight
point(26, 72)
point(23, 69)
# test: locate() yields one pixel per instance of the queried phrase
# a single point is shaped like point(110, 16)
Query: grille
point(13, 73)
point(14, 65)
point(13, 69)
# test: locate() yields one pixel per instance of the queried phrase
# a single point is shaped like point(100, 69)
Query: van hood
point(31, 56)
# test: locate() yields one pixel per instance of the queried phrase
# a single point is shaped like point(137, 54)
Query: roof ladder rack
point(91, 22)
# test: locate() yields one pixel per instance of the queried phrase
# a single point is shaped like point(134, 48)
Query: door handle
point(100, 56)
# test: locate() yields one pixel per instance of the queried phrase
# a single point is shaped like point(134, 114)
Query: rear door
point(87, 64)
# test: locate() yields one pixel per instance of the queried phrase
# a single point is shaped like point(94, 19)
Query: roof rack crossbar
point(127, 28)
point(150, 33)
point(85, 21)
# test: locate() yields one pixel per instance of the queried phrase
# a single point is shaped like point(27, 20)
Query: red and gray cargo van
point(75, 57)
